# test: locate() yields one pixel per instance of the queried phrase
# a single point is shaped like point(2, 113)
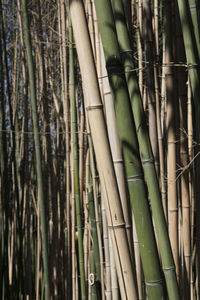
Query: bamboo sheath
point(146, 153)
point(103, 155)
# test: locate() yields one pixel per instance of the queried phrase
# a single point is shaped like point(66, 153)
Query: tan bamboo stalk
point(63, 66)
point(156, 28)
point(191, 183)
point(81, 150)
point(163, 91)
point(171, 132)
point(108, 291)
point(160, 143)
point(184, 160)
point(138, 263)
point(158, 112)
point(73, 234)
point(103, 156)
point(114, 280)
point(190, 157)
point(149, 52)
point(98, 50)
point(91, 25)
point(95, 182)
point(116, 151)
point(139, 40)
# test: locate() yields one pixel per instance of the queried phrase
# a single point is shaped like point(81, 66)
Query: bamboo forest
point(99, 149)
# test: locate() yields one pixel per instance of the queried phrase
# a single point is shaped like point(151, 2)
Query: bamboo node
point(154, 283)
point(96, 106)
point(134, 178)
point(121, 225)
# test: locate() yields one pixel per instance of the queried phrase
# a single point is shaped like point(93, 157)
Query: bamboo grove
point(99, 149)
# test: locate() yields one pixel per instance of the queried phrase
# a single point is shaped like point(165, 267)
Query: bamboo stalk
point(146, 155)
point(76, 169)
point(104, 161)
point(37, 148)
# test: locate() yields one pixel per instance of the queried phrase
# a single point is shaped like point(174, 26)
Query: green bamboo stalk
point(41, 195)
point(131, 155)
point(194, 12)
point(146, 155)
point(75, 162)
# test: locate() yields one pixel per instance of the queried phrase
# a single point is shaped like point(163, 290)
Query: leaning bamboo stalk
point(116, 151)
point(104, 161)
point(76, 166)
point(37, 148)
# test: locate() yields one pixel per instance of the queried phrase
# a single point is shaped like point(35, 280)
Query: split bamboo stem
point(104, 161)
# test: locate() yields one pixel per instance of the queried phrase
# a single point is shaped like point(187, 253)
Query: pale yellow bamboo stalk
point(108, 291)
point(73, 229)
point(86, 234)
point(89, 7)
point(139, 38)
point(171, 137)
point(114, 281)
point(116, 151)
point(138, 263)
point(184, 177)
point(103, 156)
point(98, 50)
point(95, 184)
point(163, 91)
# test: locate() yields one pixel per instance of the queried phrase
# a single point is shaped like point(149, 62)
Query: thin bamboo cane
point(37, 148)
point(108, 291)
point(184, 160)
point(76, 168)
point(150, 60)
point(104, 161)
point(171, 136)
point(116, 152)
point(139, 38)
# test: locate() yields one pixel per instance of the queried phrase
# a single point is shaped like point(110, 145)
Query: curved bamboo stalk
point(104, 161)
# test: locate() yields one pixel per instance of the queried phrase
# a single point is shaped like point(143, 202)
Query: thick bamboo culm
point(102, 223)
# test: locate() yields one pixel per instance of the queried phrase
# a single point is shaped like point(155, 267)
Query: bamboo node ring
point(97, 106)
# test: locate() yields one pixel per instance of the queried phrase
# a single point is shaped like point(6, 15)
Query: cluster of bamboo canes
point(99, 149)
